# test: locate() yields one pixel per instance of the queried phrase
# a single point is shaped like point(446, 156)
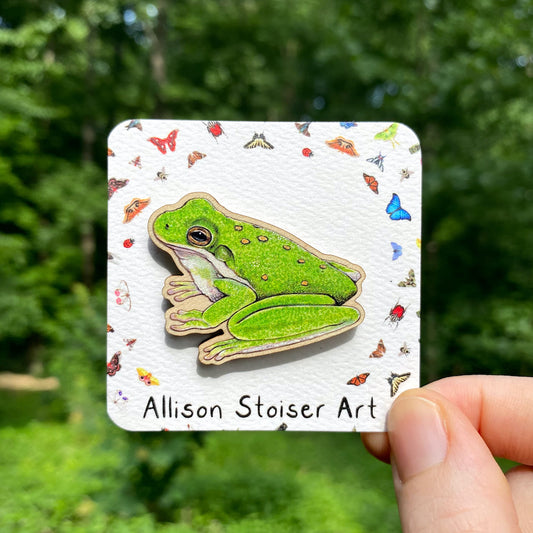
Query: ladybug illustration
point(215, 129)
point(307, 152)
point(128, 243)
point(396, 314)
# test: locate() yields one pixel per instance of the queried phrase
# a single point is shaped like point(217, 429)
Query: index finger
point(499, 407)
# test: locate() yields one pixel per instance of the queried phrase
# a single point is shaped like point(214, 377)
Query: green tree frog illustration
point(264, 288)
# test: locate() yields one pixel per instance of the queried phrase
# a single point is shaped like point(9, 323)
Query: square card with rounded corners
point(262, 275)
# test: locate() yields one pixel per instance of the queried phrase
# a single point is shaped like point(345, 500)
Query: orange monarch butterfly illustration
point(193, 157)
point(380, 350)
point(396, 380)
point(258, 140)
point(134, 208)
point(169, 140)
point(371, 182)
point(358, 380)
point(146, 377)
point(345, 146)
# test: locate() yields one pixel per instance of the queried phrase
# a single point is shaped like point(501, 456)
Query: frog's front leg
point(177, 289)
point(278, 323)
point(237, 296)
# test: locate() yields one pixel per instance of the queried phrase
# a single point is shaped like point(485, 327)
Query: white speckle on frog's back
point(204, 267)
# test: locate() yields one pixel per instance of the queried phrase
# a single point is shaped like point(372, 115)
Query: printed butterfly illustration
point(120, 399)
point(404, 350)
point(414, 149)
point(396, 250)
point(193, 157)
point(358, 380)
point(377, 160)
point(303, 128)
point(110, 329)
point(396, 314)
point(396, 380)
point(258, 140)
point(395, 210)
point(134, 124)
point(134, 208)
point(113, 185)
point(419, 242)
point(169, 140)
point(215, 129)
point(409, 281)
point(348, 125)
point(371, 182)
point(122, 295)
point(110, 153)
point(130, 343)
point(136, 162)
point(405, 173)
point(146, 377)
point(346, 146)
point(380, 350)
point(114, 365)
point(161, 175)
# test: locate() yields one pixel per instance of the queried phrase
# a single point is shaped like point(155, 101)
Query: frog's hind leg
point(279, 323)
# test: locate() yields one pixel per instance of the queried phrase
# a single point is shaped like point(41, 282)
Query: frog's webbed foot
point(225, 350)
point(179, 320)
point(178, 291)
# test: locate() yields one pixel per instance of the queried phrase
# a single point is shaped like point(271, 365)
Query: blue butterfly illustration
point(395, 210)
point(396, 250)
point(348, 125)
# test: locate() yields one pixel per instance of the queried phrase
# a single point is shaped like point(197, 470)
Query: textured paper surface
point(309, 189)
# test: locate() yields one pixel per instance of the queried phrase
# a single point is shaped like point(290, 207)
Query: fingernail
point(417, 436)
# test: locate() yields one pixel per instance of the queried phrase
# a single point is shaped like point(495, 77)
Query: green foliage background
point(458, 73)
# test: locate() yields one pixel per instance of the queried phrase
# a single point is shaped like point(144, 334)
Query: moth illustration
point(134, 208)
point(136, 162)
point(377, 160)
point(114, 365)
point(146, 377)
point(346, 146)
point(169, 140)
point(113, 185)
point(409, 281)
point(135, 123)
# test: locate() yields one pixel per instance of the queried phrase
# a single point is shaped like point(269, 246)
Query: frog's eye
point(167, 227)
point(199, 236)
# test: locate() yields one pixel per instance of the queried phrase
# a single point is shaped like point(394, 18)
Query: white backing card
point(350, 190)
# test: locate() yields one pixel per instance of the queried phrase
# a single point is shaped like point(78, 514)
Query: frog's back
point(275, 263)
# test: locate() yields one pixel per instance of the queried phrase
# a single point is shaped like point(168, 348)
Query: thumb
point(445, 477)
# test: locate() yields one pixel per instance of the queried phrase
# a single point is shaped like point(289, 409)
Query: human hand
point(440, 442)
